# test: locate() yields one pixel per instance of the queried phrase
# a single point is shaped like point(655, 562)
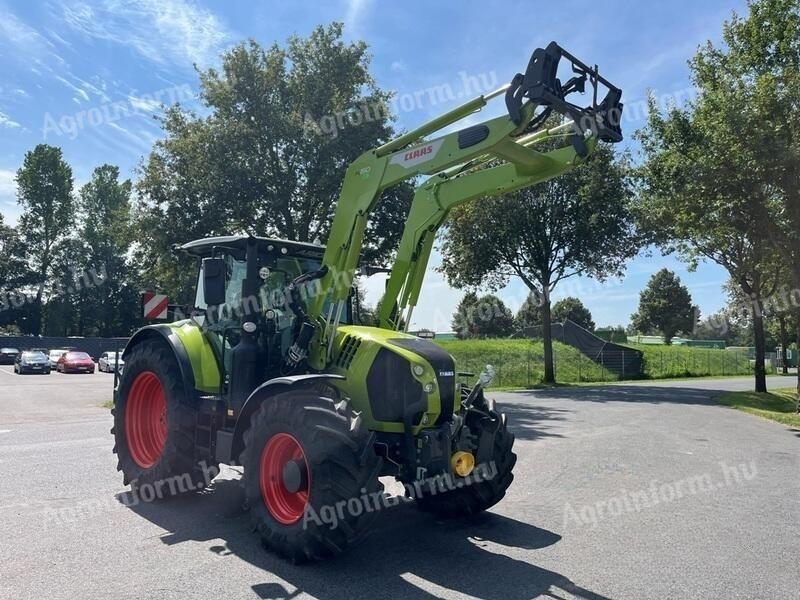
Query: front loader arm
point(433, 201)
point(505, 138)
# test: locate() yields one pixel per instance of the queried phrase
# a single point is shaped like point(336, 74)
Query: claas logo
point(417, 152)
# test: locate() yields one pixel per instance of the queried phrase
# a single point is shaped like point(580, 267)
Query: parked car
point(108, 361)
point(32, 362)
point(8, 356)
point(75, 362)
point(55, 355)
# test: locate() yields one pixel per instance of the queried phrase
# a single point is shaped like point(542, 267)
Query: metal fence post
point(602, 364)
point(528, 369)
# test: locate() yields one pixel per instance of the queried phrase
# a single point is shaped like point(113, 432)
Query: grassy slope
point(684, 361)
point(778, 405)
point(519, 363)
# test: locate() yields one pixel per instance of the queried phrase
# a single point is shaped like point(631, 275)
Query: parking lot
point(607, 503)
point(37, 397)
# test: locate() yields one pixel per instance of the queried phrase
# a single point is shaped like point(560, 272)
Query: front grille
point(348, 351)
point(391, 386)
point(442, 364)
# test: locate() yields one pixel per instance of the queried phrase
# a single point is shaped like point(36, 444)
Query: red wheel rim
point(146, 419)
point(285, 506)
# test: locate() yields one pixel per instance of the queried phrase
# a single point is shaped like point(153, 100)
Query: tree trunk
point(797, 341)
point(784, 342)
point(38, 314)
point(753, 291)
point(758, 334)
point(547, 337)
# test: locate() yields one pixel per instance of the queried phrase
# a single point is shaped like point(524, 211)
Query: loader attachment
point(540, 84)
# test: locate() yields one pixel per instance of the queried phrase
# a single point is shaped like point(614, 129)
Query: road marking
point(6, 430)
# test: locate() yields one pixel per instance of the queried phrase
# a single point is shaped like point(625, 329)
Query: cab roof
point(205, 246)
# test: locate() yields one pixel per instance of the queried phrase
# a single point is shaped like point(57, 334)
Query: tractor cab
point(246, 283)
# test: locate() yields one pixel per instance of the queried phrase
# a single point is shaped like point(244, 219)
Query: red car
point(75, 362)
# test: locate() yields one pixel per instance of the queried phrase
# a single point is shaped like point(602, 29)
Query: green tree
point(462, 318)
point(726, 325)
point(529, 313)
point(482, 317)
point(107, 234)
point(578, 224)
point(666, 306)
point(573, 309)
point(14, 275)
point(754, 78)
point(716, 178)
point(282, 125)
point(44, 191)
point(70, 308)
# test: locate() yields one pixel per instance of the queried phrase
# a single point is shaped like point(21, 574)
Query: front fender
point(230, 449)
point(167, 335)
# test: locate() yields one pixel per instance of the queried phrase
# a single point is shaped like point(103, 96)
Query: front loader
point(272, 372)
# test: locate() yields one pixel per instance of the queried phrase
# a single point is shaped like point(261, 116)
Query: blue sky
point(90, 75)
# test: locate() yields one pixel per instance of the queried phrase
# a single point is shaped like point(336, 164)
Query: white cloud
point(24, 39)
point(144, 104)
point(141, 141)
point(6, 121)
point(355, 10)
point(163, 31)
point(8, 188)
point(398, 66)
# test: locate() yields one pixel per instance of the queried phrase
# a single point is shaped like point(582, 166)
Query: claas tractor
point(273, 373)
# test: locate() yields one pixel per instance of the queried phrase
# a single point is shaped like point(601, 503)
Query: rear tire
point(332, 450)
point(477, 497)
point(154, 427)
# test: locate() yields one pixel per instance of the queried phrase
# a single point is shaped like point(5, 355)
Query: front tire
point(154, 426)
point(475, 498)
point(307, 456)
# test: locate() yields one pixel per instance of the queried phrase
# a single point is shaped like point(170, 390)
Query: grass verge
point(664, 362)
point(520, 363)
point(778, 405)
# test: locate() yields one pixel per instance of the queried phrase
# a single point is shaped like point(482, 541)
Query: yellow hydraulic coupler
point(462, 463)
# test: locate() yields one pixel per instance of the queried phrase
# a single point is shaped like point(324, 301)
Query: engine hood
point(396, 367)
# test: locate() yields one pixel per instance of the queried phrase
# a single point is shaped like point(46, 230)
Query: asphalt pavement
point(624, 491)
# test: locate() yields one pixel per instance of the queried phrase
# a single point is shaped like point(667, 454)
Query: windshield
point(276, 274)
point(77, 356)
point(30, 355)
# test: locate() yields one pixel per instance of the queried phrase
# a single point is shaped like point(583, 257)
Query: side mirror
point(214, 281)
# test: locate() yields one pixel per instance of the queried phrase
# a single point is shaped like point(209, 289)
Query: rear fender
point(230, 445)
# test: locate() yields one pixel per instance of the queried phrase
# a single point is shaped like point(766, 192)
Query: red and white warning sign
point(154, 305)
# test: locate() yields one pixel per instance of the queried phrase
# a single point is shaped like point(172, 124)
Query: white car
point(108, 361)
point(54, 355)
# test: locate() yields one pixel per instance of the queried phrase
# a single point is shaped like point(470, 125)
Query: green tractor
point(272, 373)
